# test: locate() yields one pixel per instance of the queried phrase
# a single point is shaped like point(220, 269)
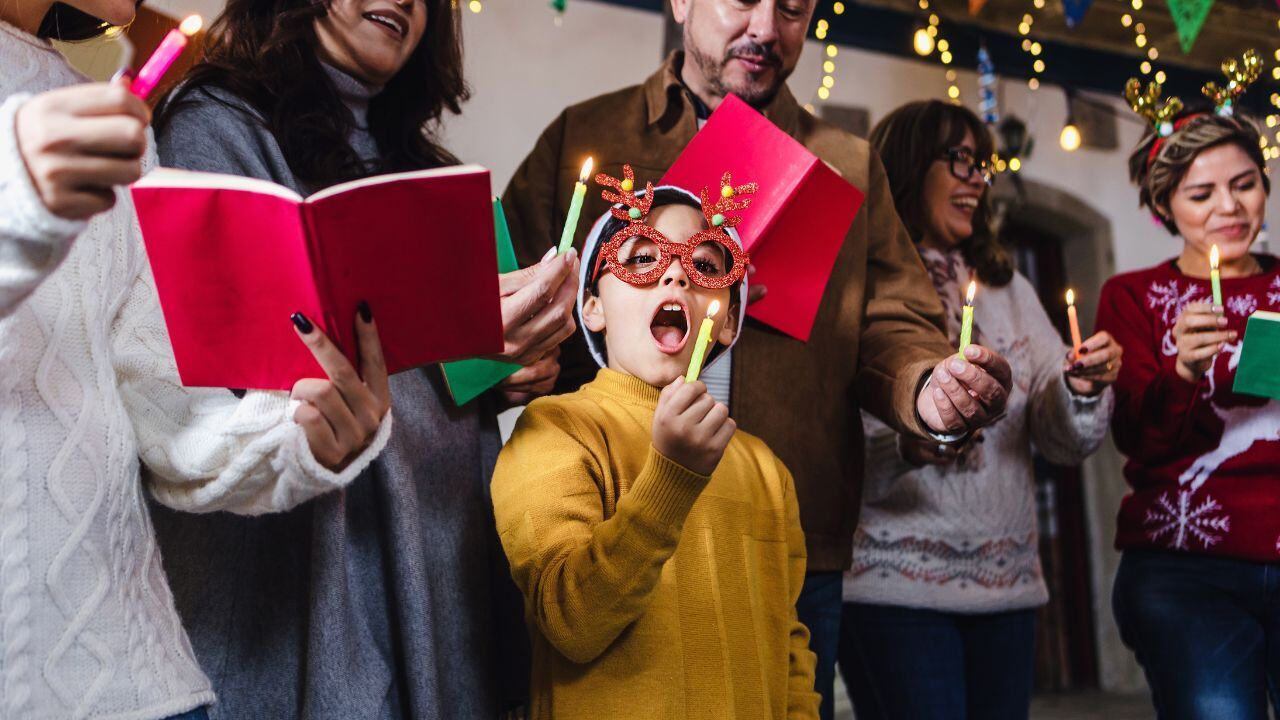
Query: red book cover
point(797, 220)
point(234, 257)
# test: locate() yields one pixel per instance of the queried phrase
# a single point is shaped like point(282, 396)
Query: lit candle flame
point(586, 170)
point(973, 289)
point(713, 308)
point(191, 25)
point(1071, 297)
point(1213, 258)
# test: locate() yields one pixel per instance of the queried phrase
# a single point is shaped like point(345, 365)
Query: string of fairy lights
point(1032, 47)
point(929, 38)
point(820, 31)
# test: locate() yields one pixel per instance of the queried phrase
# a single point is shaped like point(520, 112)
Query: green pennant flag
point(1189, 17)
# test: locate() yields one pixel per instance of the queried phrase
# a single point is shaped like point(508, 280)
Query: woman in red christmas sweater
point(1197, 595)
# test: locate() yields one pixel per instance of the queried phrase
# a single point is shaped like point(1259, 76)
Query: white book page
point(383, 179)
point(175, 178)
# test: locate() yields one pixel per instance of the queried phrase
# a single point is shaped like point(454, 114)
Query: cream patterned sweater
point(87, 386)
point(963, 538)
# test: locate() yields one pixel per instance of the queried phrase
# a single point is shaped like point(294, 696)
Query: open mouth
point(670, 327)
point(394, 24)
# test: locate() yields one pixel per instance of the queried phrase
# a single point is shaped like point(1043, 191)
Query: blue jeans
point(200, 713)
point(1206, 631)
point(906, 664)
point(819, 609)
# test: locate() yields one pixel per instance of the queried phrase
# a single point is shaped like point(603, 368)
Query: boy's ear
point(729, 330)
point(593, 313)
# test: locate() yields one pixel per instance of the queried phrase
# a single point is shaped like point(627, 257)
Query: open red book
point(797, 220)
point(234, 257)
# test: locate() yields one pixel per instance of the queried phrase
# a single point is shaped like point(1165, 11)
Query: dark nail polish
point(366, 312)
point(301, 322)
point(1077, 367)
point(1083, 350)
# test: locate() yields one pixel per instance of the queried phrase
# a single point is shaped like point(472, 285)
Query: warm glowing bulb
point(946, 58)
point(973, 289)
point(191, 25)
point(943, 45)
point(1070, 138)
point(1213, 257)
point(828, 67)
point(586, 170)
point(838, 8)
point(1034, 83)
point(923, 42)
point(1038, 66)
point(953, 92)
point(1071, 296)
point(823, 93)
point(1015, 164)
point(820, 33)
point(1152, 53)
point(1024, 28)
point(1145, 67)
point(832, 51)
point(1161, 77)
point(1036, 48)
point(1140, 41)
point(828, 82)
point(475, 6)
point(1126, 19)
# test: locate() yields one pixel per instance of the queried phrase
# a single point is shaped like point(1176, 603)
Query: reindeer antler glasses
point(639, 254)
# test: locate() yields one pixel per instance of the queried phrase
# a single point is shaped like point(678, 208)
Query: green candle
point(966, 326)
point(575, 209)
point(704, 340)
point(1215, 277)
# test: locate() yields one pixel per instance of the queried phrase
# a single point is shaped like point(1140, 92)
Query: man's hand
point(965, 394)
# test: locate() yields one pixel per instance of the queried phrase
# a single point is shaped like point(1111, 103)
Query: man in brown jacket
point(876, 342)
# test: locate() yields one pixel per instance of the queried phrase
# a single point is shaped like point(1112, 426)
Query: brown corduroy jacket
point(877, 331)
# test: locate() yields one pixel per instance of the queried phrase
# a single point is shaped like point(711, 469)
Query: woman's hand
point(79, 143)
point(533, 381)
point(341, 415)
point(537, 307)
point(1096, 367)
point(1200, 334)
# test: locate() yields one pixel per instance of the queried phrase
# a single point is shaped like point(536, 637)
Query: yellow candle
point(575, 208)
point(966, 327)
point(1215, 278)
point(704, 340)
point(1074, 319)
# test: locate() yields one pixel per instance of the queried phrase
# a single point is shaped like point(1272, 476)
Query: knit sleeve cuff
point(23, 212)
point(665, 490)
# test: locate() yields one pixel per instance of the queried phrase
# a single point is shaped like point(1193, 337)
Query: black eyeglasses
point(963, 165)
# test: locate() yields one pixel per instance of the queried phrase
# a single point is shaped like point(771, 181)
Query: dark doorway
point(1066, 657)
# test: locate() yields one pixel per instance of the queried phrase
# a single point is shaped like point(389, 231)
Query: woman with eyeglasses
point(939, 614)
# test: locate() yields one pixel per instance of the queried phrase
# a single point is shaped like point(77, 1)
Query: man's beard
point(754, 94)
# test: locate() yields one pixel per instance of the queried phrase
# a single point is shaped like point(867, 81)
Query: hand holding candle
point(1215, 277)
point(575, 208)
point(1074, 319)
point(704, 339)
point(966, 325)
point(164, 56)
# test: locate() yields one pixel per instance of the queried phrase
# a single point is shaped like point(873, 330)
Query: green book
point(1259, 370)
point(468, 379)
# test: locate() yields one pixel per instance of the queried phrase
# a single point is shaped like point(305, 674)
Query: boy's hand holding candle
point(690, 427)
point(79, 143)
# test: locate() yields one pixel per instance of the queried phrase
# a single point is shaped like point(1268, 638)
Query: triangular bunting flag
point(975, 6)
point(1074, 10)
point(1189, 17)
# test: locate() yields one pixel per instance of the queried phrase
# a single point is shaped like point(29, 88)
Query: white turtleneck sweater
point(87, 386)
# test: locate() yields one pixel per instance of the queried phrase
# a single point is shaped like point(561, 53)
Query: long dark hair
point(909, 140)
point(264, 52)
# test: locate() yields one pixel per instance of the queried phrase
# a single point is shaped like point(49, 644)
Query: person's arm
point(206, 449)
point(1153, 404)
point(901, 337)
point(802, 700)
point(585, 578)
point(1066, 427)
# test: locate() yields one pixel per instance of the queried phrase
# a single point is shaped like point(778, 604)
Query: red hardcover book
point(234, 257)
point(797, 220)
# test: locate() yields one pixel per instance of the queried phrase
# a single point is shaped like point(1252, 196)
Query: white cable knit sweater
point(87, 385)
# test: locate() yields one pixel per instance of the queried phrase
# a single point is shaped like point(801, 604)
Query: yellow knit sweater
point(651, 591)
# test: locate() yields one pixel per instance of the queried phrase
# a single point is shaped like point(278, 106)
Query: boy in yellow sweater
point(658, 548)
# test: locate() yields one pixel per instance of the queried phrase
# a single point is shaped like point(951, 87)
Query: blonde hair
point(1157, 177)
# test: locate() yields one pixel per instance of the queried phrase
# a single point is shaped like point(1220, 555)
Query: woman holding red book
point(88, 385)
point(380, 601)
point(1195, 595)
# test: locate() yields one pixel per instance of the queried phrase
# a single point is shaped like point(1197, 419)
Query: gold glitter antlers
point(1241, 73)
point(1148, 104)
point(731, 199)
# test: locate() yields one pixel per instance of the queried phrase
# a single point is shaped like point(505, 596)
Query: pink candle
point(164, 56)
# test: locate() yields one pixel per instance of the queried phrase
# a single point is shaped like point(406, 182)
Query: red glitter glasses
point(639, 254)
